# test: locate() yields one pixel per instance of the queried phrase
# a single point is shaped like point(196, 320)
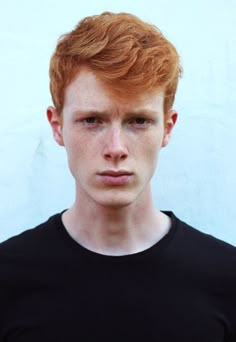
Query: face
point(112, 143)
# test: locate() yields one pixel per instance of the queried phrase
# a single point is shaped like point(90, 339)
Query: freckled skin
point(101, 132)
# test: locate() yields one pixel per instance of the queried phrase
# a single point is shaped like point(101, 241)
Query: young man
point(113, 267)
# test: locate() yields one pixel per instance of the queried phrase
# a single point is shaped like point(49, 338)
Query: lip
point(115, 177)
point(115, 173)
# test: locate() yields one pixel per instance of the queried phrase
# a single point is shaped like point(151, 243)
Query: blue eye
point(140, 121)
point(90, 120)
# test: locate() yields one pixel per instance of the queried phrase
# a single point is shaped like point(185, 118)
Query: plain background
point(195, 176)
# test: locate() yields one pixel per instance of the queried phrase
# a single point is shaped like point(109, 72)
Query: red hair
point(129, 55)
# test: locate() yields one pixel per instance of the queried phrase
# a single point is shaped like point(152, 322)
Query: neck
point(116, 231)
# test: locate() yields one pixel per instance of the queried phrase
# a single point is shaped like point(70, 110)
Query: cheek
point(74, 150)
point(150, 152)
point(82, 153)
point(151, 146)
point(75, 143)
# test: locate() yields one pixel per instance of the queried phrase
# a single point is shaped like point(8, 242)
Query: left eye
point(90, 120)
point(140, 121)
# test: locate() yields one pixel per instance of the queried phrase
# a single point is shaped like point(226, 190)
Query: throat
point(114, 236)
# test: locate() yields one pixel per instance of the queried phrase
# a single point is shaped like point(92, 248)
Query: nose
point(114, 147)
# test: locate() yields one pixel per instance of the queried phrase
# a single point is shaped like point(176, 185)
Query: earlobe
point(55, 122)
point(170, 122)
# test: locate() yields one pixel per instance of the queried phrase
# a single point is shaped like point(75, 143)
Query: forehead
point(87, 91)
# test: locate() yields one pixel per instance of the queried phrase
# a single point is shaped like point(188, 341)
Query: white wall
point(196, 172)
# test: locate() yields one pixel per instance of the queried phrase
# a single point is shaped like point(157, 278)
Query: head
point(130, 56)
point(113, 81)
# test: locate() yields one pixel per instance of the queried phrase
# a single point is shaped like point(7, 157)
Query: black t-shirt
point(181, 289)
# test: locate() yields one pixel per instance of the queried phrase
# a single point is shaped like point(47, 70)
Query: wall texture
point(196, 173)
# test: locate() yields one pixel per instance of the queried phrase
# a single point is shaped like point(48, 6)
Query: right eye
point(90, 120)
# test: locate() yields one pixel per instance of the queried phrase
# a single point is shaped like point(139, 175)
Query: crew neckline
point(76, 247)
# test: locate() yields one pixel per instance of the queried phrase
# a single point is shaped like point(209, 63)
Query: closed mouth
point(115, 173)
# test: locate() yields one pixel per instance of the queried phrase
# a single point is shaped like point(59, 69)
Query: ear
point(55, 121)
point(170, 121)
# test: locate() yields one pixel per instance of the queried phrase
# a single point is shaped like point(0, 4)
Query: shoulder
point(205, 254)
point(203, 242)
point(31, 239)
point(24, 257)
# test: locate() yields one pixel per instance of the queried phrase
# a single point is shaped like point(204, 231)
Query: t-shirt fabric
point(183, 288)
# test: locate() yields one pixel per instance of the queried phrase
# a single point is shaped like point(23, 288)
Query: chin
point(115, 205)
point(115, 202)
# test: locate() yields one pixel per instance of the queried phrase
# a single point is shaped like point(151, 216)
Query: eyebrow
point(93, 112)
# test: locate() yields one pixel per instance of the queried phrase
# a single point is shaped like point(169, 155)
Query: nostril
point(123, 156)
point(116, 155)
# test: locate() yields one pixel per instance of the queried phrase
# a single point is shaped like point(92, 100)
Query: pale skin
point(112, 146)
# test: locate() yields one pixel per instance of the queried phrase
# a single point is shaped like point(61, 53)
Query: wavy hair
point(127, 54)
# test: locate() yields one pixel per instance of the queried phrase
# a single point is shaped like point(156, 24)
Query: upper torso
point(181, 289)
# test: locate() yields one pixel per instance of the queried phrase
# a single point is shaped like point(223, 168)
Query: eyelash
point(90, 118)
point(135, 121)
point(144, 121)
